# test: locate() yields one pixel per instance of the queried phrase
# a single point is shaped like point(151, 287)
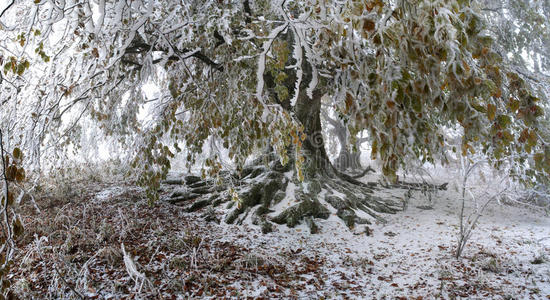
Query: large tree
point(252, 74)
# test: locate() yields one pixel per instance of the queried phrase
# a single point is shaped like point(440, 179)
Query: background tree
point(252, 74)
point(522, 37)
point(349, 155)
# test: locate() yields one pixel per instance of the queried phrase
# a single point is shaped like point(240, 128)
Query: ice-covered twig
point(132, 270)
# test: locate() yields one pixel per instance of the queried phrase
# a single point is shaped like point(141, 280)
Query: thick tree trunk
point(308, 112)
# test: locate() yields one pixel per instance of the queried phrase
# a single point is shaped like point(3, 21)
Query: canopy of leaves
point(403, 70)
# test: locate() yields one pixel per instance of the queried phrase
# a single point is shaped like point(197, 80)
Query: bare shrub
point(469, 221)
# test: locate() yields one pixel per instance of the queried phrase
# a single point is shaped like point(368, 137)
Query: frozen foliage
point(240, 71)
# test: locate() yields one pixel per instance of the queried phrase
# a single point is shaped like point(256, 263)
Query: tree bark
point(308, 112)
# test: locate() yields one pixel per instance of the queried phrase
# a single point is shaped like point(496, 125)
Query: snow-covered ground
point(412, 255)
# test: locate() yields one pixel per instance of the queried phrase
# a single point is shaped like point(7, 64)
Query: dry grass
point(72, 249)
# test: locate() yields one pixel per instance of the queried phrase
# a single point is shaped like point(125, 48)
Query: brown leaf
point(382, 278)
point(20, 175)
point(497, 93)
point(369, 25)
point(17, 227)
point(491, 111)
point(17, 154)
point(370, 6)
point(349, 101)
point(524, 136)
point(11, 172)
point(10, 198)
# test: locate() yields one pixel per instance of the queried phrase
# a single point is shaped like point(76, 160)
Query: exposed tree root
point(419, 186)
point(367, 170)
point(269, 194)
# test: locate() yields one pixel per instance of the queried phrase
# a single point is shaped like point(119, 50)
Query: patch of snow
point(109, 193)
point(321, 197)
point(413, 253)
point(288, 201)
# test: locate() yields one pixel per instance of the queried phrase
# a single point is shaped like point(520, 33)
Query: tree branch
point(183, 53)
point(496, 9)
point(361, 140)
point(247, 11)
point(9, 233)
point(332, 121)
point(7, 7)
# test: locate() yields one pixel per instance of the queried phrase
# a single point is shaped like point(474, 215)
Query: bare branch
point(7, 7)
point(183, 53)
point(247, 11)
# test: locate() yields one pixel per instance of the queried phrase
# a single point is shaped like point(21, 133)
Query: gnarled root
point(268, 194)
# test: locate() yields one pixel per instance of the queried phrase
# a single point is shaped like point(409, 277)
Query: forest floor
point(72, 249)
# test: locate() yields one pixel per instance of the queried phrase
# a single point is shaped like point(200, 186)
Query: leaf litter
point(73, 247)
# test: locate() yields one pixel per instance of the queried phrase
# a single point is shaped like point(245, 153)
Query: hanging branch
point(140, 48)
point(7, 7)
point(9, 233)
point(247, 11)
point(6, 191)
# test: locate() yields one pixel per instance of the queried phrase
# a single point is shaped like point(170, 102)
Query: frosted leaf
point(261, 60)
